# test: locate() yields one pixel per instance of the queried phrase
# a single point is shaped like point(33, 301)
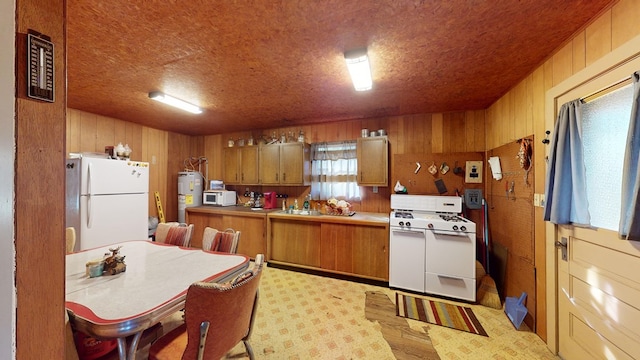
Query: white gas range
point(432, 249)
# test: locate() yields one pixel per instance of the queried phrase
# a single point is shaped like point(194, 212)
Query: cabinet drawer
point(451, 286)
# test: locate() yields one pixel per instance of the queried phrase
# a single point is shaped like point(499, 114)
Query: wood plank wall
point(167, 152)
point(39, 192)
point(520, 112)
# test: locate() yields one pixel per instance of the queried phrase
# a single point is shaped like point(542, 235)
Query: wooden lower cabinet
point(252, 230)
point(351, 249)
point(295, 242)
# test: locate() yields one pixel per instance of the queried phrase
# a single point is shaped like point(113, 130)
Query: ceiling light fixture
point(358, 65)
point(170, 100)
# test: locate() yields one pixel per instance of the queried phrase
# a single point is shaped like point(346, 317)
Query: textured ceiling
point(261, 64)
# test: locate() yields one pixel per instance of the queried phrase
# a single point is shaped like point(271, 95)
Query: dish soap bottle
point(295, 204)
point(306, 203)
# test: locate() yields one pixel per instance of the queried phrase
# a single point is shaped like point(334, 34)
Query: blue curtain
point(629, 222)
point(566, 192)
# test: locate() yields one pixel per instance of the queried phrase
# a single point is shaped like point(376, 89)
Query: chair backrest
point(229, 308)
point(70, 235)
point(174, 233)
point(221, 241)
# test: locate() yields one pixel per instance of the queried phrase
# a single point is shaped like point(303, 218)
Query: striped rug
point(438, 313)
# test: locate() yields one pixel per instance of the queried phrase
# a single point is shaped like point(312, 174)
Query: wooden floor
point(405, 342)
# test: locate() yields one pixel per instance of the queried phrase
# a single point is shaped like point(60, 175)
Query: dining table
point(153, 286)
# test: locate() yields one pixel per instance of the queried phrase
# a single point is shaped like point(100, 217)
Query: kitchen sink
point(301, 212)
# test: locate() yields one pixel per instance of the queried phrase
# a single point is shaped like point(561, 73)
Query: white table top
point(154, 285)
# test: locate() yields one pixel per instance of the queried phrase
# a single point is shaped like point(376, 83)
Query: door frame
point(617, 65)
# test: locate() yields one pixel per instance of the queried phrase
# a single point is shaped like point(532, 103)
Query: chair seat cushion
point(177, 235)
point(170, 346)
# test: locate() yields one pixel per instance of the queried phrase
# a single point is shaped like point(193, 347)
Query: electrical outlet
point(536, 199)
point(375, 190)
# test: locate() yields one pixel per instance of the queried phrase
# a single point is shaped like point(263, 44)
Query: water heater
point(190, 187)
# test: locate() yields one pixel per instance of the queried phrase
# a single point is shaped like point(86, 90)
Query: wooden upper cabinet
point(241, 165)
point(230, 174)
point(285, 164)
point(373, 161)
point(270, 164)
point(249, 165)
point(295, 165)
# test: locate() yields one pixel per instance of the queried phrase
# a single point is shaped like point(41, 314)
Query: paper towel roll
point(496, 171)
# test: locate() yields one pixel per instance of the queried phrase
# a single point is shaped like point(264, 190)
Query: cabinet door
point(360, 250)
point(373, 157)
point(252, 233)
point(230, 169)
point(270, 164)
point(249, 165)
point(294, 164)
point(371, 252)
point(295, 242)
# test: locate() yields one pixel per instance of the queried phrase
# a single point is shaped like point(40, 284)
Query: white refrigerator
point(106, 200)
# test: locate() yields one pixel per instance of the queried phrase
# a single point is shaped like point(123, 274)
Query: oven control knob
point(455, 227)
point(430, 226)
point(408, 223)
point(401, 223)
point(463, 228)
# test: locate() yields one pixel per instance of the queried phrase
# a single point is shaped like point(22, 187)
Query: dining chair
point(174, 233)
point(221, 241)
point(70, 236)
point(217, 317)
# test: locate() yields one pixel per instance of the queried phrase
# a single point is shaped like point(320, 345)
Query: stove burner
point(450, 218)
point(404, 215)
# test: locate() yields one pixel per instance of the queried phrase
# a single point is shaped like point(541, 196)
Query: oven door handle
point(407, 231)
point(450, 233)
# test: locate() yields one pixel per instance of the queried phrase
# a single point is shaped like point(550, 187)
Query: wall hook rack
point(546, 140)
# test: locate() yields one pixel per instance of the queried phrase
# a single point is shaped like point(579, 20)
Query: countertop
point(366, 218)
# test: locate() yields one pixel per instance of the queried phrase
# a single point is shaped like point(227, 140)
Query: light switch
point(473, 172)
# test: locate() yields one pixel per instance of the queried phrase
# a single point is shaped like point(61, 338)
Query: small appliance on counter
point(270, 201)
point(219, 197)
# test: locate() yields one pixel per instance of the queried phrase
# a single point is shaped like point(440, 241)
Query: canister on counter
point(365, 132)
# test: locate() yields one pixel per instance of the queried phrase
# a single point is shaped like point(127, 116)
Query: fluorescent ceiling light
point(358, 65)
point(170, 100)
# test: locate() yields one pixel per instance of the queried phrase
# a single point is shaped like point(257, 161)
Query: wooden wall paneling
point(579, 60)
point(598, 38)
point(562, 64)
point(520, 109)
point(88, 129)
point(479, 131)
point(105, 133)
point(39, 157)
point(437, 128)
point(423, 183)
point(133, 137)
point(179, 149)
point(624, 24)
point(156, 154)
point(213, 145)
point(511, 224)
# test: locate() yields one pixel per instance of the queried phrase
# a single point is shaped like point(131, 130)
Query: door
point(291, 164)
point(270, 164)
point(598, 295)
point(249, 165)
point(107, 176)
point(108, 219)
point(407, 249)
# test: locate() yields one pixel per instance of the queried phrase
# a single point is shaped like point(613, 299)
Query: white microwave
point(219, 197)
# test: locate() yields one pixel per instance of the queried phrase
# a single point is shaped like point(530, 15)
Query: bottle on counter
point(295, 204)
point(306, 205)
point(284, 204)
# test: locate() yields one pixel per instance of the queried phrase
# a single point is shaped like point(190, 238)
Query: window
point(333, 171)
point(605, 122)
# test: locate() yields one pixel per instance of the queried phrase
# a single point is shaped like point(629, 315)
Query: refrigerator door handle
point(89, 219)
